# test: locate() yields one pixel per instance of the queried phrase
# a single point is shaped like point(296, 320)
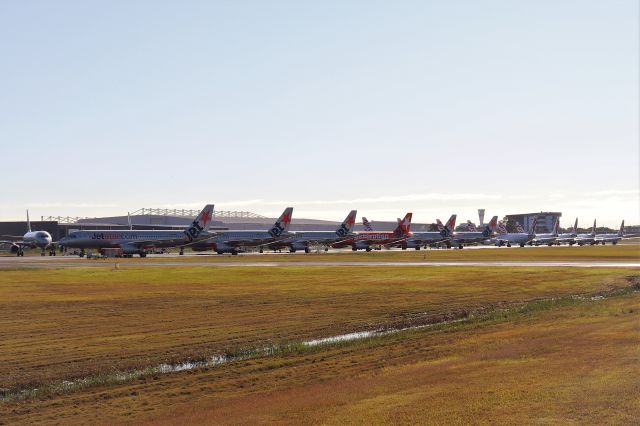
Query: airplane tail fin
point(451, 224)
point(471, 226)
point(366, 224)
point(404, 225)
point(519, 228)
point(575, 227)
point(502, 229)
point(346, 226)
point(534, 223)
point(593, 230)
point(440, 225)
point(28, 222)
point(129, 221)
point(621, 231)
point(200, 224)
point(556, 227)
point(491, 226)
point(282, 224)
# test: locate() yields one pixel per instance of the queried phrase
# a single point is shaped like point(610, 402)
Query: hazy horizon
point(430, 107)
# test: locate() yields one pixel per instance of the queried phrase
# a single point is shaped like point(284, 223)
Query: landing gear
point(508, 244)
point(82, 253)
point(354, 248)
point(220, 252)
point(234, 252)
point(292, 250)
point(417, 247)
point(260, 251)
point(143, 254)
point(20, 253)
point(307, 250)
point(460, 246)
point(327, 249)
point(52, 252)
point(368, 249)
point(181, 251)
point(522, 245)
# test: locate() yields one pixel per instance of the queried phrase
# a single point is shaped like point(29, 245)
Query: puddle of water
point(341, 338)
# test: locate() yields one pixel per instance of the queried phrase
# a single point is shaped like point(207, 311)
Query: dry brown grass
point(73, 323)
point(578, 365)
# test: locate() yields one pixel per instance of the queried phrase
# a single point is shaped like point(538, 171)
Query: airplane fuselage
point(99, 239)
point(39, 239)
point(227, 241)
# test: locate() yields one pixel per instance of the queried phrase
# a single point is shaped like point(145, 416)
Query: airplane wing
point(164, 243)
point(18, 242)
point(10, 238)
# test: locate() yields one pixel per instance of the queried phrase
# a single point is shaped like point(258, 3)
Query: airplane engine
point(298, 246)
point(14, 249)
point(360, 245)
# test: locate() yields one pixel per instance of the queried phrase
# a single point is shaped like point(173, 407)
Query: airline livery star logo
point(278, 228)
point(206, 218)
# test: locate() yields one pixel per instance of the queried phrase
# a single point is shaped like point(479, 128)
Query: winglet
point(200, 224)
point(347, 224)
point(282, 224)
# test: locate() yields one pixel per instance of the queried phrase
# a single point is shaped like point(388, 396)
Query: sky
point(435, 107)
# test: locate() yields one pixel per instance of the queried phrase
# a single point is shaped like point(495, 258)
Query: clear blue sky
point(434, 107)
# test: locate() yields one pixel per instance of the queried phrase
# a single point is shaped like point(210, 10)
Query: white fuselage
point(232, 240)
point(545, 239)
point(40, 239)
point(421, 239)
point(569, 238)
point(608, 238)
point(583, 239)
point(514, 238)
point(127, 239)
point(304, 239)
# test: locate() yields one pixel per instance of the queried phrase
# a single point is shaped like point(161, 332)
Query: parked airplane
point(423, 239)
point(468, 237)
point(366, 224)
point(548, 238)
point(589, 238)
point(32, 239)
point(521, 238)
point(366, 240)
point(234, 241)
point(304, 240)
point(569, 237)
point(611, 238)
point(140, 241)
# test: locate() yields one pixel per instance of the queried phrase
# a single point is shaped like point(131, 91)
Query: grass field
point(564, 253)
point(66, 324)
